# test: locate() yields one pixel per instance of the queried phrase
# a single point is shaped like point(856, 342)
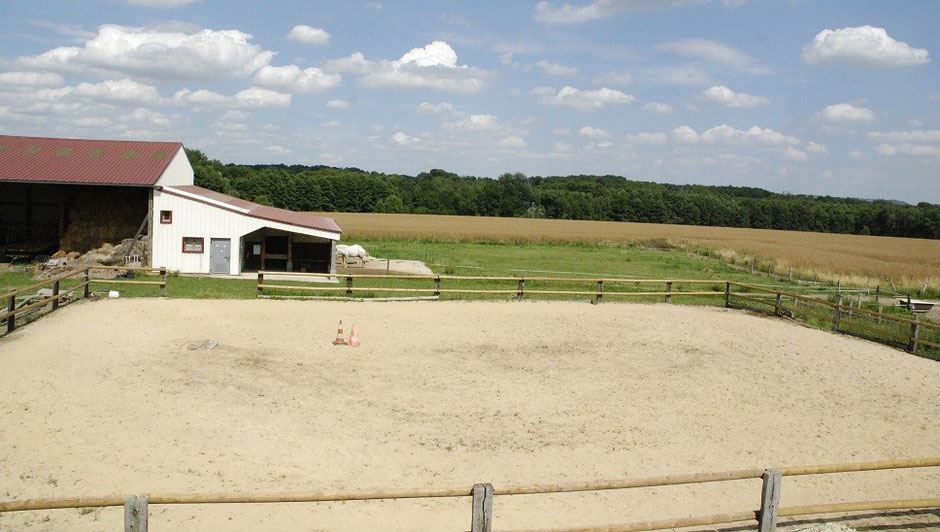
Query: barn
point(76, 194)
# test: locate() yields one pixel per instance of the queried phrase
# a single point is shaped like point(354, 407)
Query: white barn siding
point(178, 172)
point(201, 219)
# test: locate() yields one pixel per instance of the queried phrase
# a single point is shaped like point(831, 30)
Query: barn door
point(220, 255)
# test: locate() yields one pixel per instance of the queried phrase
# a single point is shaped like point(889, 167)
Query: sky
point(836, 98)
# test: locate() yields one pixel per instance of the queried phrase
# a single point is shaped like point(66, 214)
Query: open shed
point(77, 194)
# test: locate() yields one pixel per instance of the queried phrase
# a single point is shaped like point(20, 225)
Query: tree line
point(582, 197)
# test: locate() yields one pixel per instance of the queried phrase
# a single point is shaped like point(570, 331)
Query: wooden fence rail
point(838, 311)
point(12, 311)
point(136, 506)
point(601, 285)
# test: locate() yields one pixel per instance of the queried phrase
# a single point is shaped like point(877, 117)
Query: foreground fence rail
point(481, 495)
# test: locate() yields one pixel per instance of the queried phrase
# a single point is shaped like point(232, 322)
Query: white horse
point(352, 251)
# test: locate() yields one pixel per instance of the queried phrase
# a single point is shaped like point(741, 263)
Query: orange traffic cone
point(353, 338)
point(339, 335)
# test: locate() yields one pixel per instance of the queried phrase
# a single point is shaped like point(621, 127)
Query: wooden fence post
point(909, 307)
point(55, 292)
point(669, 292)
point(163, 280)
point(482, 508)
point(777, 304)
point(728, 295)
point(135, 514)
point(11, 306)
point(260, 284)
point(837, 313)
point(770, 500)
point(790, 274)
point(437, 286)
point(915, 330)
point(87, 283)
point(521, 290)
point(349, 281)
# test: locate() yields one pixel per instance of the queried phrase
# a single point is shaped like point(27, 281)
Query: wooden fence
point(136, 511)
point(602, 287)
point(55, 298)
point(847, 319)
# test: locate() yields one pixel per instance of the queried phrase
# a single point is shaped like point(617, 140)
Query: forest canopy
point(581, 197)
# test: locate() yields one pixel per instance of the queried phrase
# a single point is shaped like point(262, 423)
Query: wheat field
point(852, 258)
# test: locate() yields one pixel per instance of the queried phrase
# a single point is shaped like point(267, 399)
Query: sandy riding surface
point(106, 398)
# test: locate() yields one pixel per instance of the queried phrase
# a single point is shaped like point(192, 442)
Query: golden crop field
point(906, 261)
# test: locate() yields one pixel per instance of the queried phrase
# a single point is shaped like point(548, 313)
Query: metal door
point(220, 255)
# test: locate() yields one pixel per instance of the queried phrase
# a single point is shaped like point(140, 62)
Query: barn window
point(166, 217)
point(192, 244)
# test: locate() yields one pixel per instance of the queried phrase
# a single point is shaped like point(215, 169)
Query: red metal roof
point(263, 212)
point(86, 162)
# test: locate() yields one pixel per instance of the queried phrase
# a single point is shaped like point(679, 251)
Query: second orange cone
point(339, 335)
point(353, 337)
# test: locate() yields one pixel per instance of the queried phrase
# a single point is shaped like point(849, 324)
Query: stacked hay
point(102, 215)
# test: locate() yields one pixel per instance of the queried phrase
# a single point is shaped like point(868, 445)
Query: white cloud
point(338, 104)
point(149, 116)
point(685, 135)
point(513, 142)
point(599, 9)
point(585, 99)
point(815, 147)
point(916, 142)
point(354, 63)
point(250, 98)
point(277, 149)
point(438, 53)
point(431, 67)
point(233, 115)
point(443, 108)
point(735, 100)
point(864, 46)
point(613, 78)
point(561, 131)
point(30, 79)
point(256, 98)
point(917, 136)
point(647, 138)
point(725, 134)
point(332, 123)
point(712, 51)
point(163, 54)
point(855, 154)
point(588, 131)
point(846, 113)
point(401, 139)
point(794, 154)
point(124, 90)
point(479, 122)
point(657, 107)
point(291, 78)
point(308, 35)
point(556, 69)
point(917, 150)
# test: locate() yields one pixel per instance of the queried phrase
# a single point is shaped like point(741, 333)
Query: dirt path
point(106, 398)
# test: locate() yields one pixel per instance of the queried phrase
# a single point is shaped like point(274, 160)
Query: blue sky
point(838, 97)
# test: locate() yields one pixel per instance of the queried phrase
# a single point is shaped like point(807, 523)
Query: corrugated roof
point(86, 162)
point(263, 212)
